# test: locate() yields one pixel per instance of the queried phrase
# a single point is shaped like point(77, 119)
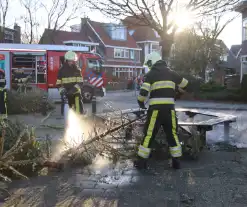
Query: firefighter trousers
point(3, 103)
point(75, 102)
point(166, 118)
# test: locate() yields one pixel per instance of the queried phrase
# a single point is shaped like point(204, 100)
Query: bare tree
point(29, 34)
point(4, 7)
point(199, 46)
point(157, 14)
point(60, 13)
point(210, 32)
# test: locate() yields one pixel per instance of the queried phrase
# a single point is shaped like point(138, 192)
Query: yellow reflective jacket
point(160, 84)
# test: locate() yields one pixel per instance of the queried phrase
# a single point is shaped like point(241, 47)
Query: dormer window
point(119, 33)
point(131, 32)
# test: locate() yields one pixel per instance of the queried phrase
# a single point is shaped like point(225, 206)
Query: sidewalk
point(128, 96)
point(218, 179)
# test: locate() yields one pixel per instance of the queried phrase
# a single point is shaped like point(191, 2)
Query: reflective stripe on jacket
point(69, 76)
point(160, 84)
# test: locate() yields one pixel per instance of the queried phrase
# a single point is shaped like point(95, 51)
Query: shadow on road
point(217, 179)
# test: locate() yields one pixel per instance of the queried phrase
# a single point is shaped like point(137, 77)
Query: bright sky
point(231, 35)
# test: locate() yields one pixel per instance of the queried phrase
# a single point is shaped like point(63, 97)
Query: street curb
point(210, 108)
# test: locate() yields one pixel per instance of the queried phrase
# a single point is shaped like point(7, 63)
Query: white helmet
point(71, 56)
point(152, 58)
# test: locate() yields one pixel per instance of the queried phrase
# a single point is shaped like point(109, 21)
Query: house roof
point(145, 33)
point(235, 49)
point(61, 36)
point(136, 21)
point(100, 30)
point(244, 48)
point(241, 6)
point(142, 32)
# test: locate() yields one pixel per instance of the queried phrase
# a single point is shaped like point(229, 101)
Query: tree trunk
point(166, 44)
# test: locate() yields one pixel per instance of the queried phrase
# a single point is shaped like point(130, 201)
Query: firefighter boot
point(140, 163)
point(175, 163)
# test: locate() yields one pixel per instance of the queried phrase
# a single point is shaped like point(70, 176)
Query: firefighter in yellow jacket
point(3, 95)
point(70, 82)
point(159, 84)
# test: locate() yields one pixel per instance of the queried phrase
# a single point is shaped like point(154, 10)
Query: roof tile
point(99, 28)
point(62, 36)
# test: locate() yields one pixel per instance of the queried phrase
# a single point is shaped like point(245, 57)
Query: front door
point(5, 65)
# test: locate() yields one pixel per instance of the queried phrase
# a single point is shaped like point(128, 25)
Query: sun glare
point(183, 19)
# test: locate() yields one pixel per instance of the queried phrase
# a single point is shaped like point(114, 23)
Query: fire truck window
point(94, 65)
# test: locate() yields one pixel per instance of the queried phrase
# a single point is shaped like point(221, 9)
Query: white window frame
point(155, 50)
point(119, 33)
point(126, 53)
point(223, 57)
point(244, 29)
point(132, 54)
point(121, 53)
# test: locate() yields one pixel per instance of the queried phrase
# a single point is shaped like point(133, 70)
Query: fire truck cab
point(40, 64)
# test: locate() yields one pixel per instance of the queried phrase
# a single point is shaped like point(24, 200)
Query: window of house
point(121, 53)
point(155, 48)
point(126, 53)
point(8, 35)
point(119, 33)
point(244, 36)
point(132, 54)
point(131, 32)
point(223, 57)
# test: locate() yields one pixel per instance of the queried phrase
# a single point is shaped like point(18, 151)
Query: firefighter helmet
point(151, 59)
point(71, 56)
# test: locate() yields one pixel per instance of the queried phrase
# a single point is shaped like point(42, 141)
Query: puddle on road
point(111, 174)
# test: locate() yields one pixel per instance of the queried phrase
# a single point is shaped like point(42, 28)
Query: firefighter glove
point(62, 91)
point(141, 105)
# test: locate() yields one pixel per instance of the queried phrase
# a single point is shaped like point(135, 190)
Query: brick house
point(146, 38)
point(61, 37)
point(117, 47)
point(11, 35)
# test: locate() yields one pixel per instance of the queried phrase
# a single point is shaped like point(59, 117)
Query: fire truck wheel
point(87, 95)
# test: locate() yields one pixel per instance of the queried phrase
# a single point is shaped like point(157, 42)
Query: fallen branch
point(52, 126)
point(49, 114)
point(98, 137)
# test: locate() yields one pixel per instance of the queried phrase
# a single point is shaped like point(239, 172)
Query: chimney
point(84, 22)
point(17, 35)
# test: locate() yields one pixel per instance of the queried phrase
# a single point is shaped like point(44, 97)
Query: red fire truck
point(42, 62)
